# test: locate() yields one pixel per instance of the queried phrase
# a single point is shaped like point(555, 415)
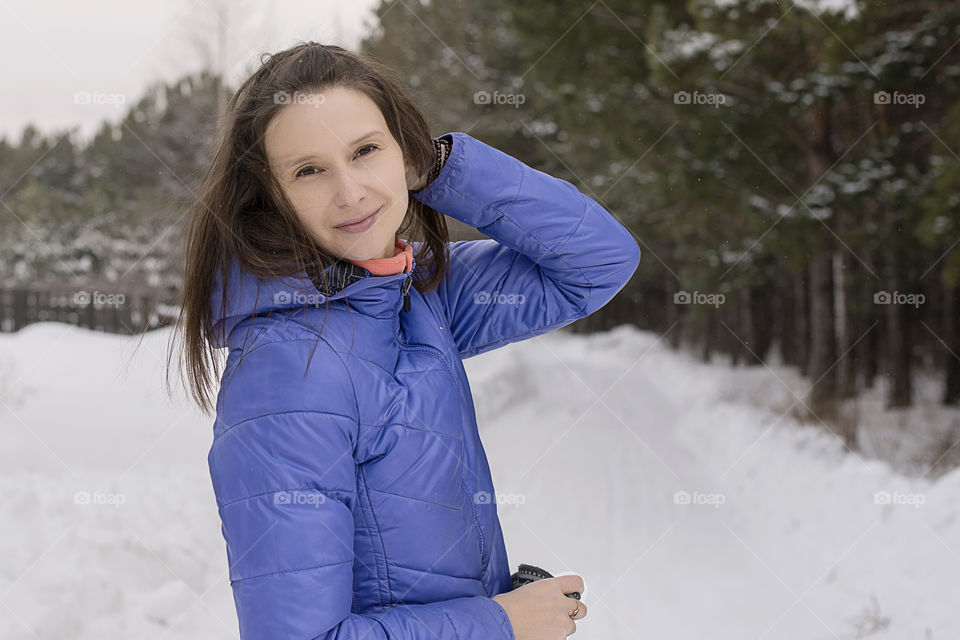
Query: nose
point(350, 191)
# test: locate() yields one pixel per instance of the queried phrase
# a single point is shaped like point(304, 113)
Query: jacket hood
point(248, 295)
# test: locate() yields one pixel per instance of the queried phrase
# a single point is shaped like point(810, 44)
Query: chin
point(366, 248)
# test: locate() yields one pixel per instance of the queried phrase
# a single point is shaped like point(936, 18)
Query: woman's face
point(337, 162)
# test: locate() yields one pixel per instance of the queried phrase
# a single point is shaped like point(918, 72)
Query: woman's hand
point(541, 611)
point(417, 181)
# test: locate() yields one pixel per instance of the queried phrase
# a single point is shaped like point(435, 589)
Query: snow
point(686, 494)
point(849, 8)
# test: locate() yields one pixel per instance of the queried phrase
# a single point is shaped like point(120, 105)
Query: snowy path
point(592, 436)
point(798, 548)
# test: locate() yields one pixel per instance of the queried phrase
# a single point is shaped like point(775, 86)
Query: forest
point(789, 169)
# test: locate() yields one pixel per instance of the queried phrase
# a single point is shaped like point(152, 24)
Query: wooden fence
point(107, 310)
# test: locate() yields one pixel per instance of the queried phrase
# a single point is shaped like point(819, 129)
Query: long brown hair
point(241, 212)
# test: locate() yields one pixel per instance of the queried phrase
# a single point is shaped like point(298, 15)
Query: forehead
point(324, 122)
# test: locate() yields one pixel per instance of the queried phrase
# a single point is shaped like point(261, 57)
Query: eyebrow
point(309, 156)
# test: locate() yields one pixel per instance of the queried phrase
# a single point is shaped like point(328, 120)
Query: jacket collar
point(340, 275)
point(380, 297)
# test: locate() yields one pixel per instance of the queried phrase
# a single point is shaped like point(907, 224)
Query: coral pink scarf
point(401, 261)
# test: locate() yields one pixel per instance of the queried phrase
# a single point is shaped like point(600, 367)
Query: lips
point(356, 220)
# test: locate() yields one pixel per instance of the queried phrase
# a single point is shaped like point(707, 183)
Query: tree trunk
point(746, 327)
point(801, 334)
point(898, 342)
point(782, 321)
point(823, 344)
point(673, 313)
point(868, 358)
point(870, 346)
point(763, 324)
point(951, 339)
point(709, 336)
point(847, 324)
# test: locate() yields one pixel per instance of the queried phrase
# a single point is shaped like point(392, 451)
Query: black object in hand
point(528, 573)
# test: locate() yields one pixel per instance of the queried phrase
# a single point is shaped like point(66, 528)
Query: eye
point(367, 146)
point(300, 173)
point(371, 147)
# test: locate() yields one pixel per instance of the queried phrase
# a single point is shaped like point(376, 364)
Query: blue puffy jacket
point(354, 493)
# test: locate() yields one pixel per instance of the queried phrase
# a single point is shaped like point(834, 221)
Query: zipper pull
point(405, 288)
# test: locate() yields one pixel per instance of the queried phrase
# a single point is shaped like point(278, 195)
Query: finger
point(580, 614)
point(586, 587)
point(571, 583)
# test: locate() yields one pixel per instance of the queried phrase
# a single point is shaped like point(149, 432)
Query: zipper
point(436, 353)
point(476, 520)
point(405, 288)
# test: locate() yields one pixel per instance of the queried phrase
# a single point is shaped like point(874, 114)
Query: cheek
point(402, 202)
point(309, 207)
point(302, 203)
point(395, 172)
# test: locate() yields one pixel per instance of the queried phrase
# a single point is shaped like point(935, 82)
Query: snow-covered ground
point(692, 508)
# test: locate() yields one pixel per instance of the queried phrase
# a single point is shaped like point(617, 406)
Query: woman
point(352, 485)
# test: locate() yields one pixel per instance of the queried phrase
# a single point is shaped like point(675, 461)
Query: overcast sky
point(112, 49)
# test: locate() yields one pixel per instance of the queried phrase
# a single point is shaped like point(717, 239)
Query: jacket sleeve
point(284, 477)
point(553, 255)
